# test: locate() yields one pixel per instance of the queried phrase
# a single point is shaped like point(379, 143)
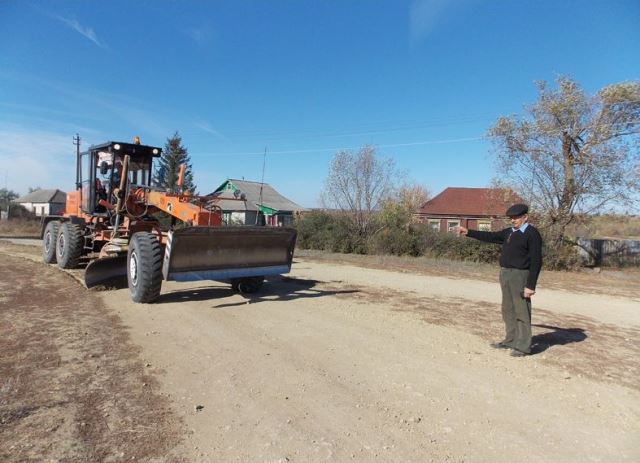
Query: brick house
point(473, 208)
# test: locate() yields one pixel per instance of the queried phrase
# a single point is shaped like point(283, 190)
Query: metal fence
point(609, 253)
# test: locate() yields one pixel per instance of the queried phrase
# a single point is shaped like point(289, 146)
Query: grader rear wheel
point(49, 242)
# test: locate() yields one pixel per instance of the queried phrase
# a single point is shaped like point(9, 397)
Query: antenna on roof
point(264, 161)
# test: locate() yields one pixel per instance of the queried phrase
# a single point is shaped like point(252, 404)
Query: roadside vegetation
point(22, 227)
point(394, 234)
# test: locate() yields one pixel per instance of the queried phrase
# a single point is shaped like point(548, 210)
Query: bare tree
point(572, 152)
point(358, 182)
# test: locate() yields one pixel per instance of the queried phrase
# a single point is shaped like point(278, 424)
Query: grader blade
point(224, 253)
point(105, 270)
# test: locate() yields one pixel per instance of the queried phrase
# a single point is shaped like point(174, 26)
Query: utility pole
point(6, 199)
point(76, 142)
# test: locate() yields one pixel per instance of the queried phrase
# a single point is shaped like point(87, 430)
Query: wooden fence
point(609, 253)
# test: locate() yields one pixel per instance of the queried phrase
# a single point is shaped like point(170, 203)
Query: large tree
point(173, 155)
point(572, 152)
point(357, 183)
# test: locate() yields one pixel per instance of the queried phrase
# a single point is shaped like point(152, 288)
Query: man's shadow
point(274, 289)
point(557, 337)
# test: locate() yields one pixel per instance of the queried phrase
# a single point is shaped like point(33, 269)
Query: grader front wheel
point(69, 245)
point(144, 267)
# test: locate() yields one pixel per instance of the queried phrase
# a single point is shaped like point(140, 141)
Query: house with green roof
point(253, 203)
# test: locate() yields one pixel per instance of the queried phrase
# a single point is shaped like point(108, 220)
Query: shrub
point(328, 232)
point(559, 257)
point(397, 242)
point(395, 235)
point(450, 246)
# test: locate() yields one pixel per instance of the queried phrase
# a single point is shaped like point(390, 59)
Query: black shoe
point(518, 353)
point(499, 345)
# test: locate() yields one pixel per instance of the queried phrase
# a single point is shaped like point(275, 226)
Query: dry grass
point(607, 226)
point(20, 228)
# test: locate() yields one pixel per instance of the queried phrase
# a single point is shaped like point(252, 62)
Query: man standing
point(520, 262)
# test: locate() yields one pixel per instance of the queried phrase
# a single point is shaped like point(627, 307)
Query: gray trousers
point(516, 310)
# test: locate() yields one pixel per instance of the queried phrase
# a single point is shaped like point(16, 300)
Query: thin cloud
point(31, 158)
point(207, 128)
point(86, 32)
point(201, 35)
point(423, 16)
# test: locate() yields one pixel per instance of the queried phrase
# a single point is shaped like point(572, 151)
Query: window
point(451, 224)
point(484, 225)
point(434, 225)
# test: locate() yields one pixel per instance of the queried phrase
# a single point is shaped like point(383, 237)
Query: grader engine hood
point(223, 253)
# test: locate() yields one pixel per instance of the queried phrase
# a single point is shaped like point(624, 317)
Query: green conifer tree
point(168, 166)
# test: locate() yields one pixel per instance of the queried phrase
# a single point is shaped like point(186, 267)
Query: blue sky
point(420, 80)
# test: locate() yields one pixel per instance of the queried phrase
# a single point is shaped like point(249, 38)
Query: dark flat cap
point(517, 210)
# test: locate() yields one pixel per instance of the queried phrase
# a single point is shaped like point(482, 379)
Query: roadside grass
point(20, 228)
point(426, 264)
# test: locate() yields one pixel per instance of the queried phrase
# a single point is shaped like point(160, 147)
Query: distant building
point(250, 203)
point(44, 202)
point(474, 208)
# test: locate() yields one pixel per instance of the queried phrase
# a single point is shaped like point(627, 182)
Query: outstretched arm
point(487, 237)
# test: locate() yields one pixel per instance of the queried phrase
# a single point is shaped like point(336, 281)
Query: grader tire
point(144, 267)
point(69, 245)
point(247, 285)
point(49, 242)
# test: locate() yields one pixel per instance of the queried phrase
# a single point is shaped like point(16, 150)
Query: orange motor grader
point(125, 226)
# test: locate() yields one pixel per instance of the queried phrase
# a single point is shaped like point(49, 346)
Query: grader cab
point(125, 226)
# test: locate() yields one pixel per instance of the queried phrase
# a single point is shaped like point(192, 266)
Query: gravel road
point(344, 363)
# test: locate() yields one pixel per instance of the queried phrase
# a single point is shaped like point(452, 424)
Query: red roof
point(471, 202)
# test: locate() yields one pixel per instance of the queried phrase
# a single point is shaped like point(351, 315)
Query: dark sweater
point(519, 250)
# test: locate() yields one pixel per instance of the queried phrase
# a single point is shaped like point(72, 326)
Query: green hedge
point(391, 234)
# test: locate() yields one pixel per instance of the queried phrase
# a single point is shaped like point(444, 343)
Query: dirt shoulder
point(73, 386)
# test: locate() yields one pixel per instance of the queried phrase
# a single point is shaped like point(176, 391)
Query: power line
point(360, 129)
point(632, 123)
point(344, 148)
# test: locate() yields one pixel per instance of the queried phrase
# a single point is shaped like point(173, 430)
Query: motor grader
point(125, 226)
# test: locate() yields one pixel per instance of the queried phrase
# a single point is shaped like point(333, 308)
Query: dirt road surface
point(334, 362)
